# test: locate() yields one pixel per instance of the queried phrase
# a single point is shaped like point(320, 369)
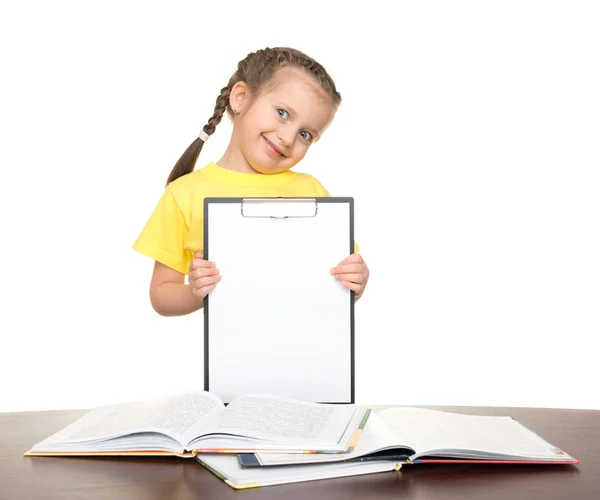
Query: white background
point(468, 136)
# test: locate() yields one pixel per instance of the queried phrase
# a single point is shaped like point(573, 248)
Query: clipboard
point(279, 322)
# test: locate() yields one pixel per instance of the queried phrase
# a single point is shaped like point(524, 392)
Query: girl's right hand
point(203, 276)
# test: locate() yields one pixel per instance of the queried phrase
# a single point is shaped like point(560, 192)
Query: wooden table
point(575, 431)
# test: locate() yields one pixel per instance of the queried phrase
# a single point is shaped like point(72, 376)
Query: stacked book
point(261, 440)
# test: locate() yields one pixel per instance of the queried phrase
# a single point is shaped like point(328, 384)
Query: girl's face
point(275, 129)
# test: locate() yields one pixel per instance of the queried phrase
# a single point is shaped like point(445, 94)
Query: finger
point(355, 257)
point(352, 259)
point(352, 286)
point(208, 280)
point(202, 261)
point(206, 271)
point(204, 291)
point(199, 263)
point(201, 283)
point(348, 268)
point(352, 277)
point(201, 272)
point(207, 289)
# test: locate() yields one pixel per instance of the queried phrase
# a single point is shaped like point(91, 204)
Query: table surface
point(575, 431)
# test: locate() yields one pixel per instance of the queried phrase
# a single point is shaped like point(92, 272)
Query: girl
point(280, 101)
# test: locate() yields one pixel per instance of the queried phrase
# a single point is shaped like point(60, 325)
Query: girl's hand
point(203, 276)
point(353, 273)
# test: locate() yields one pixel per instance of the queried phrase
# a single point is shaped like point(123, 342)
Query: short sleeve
point(164, 235)
point(321, 191)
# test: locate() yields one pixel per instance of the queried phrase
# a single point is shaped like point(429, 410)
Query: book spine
point(355, 437)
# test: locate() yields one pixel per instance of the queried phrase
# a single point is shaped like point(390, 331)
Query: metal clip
point(279, 208)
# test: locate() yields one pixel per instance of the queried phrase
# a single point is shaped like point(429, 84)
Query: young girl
point(280, 101)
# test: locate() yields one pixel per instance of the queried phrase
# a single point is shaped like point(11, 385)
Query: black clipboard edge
point(333, 199)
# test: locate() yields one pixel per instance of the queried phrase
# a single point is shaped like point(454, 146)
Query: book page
point(427, 430)
point(173, 416)
point(376, 436)
point(284, 420)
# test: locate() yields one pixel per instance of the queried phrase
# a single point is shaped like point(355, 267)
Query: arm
point(169, 294)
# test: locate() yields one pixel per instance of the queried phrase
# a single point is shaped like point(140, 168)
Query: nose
point(287, 135)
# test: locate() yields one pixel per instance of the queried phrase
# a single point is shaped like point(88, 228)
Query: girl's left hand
point(353, 273)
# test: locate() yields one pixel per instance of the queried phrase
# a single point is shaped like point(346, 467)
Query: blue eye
point(308, 136)
point(282, 112)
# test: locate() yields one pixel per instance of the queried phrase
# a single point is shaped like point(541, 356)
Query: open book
point(191, 423)
point(417, 435)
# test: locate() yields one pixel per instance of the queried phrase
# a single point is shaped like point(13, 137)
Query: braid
point(220, 107)
point(257, 70)
point(185, 164)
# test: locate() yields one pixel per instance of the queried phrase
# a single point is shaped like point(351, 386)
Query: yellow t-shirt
point(175, 230)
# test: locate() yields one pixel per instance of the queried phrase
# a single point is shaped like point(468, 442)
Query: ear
point(239, 96)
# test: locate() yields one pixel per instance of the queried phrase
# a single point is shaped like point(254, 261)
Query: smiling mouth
point(273, 148)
